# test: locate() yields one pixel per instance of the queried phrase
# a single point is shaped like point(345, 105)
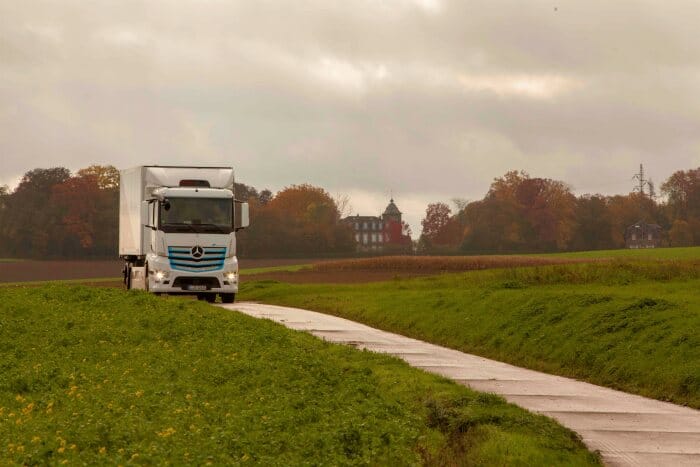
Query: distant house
point(643, 235)
point(379, 233)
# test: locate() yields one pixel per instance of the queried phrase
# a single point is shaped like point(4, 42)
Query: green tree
point(34, 228)
point(682, 190)
point(593, 229)
point(681, 234)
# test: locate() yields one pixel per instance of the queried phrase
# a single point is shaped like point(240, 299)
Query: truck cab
point(185, 240)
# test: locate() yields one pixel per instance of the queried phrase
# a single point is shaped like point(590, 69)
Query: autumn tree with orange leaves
point(300, 220)
point(440, 228)
point(521, 213)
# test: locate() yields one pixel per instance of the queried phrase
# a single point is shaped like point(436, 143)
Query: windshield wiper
point(180, 224)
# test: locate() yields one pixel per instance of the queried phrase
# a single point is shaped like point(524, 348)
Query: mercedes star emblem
point(197, 251)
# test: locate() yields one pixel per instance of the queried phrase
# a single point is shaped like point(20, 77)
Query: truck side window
point(152, 213)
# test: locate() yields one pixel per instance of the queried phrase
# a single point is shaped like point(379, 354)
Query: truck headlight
point(230, 276)
point(160, 275)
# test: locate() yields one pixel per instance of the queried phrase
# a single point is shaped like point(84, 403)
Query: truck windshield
point(210, 215)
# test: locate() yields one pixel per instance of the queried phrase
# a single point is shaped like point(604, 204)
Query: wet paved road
point(626, 429)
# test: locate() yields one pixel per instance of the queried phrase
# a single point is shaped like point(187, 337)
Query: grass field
point(104, 376)
point(418, 264)
point(630, 325)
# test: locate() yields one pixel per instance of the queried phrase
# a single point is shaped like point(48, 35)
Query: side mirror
point(241, 212)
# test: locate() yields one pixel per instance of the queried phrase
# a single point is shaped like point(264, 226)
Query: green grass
point(104, 376)
point(627, 325)
point(685, 253)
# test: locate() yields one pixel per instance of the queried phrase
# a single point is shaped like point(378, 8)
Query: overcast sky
point(431, 99)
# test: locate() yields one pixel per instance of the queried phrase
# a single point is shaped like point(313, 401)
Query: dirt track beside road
point(29, 270)
point(23, 271)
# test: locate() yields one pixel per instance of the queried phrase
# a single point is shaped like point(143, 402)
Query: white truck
point(177, 230)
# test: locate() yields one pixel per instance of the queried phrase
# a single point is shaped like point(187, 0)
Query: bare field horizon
point(28, 270)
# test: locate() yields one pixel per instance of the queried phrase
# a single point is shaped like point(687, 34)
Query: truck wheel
point(127, 279)
point(145, 273)
point(228, 297)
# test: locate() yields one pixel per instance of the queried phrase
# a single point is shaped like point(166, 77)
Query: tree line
point(521, 213)
point(54, 213)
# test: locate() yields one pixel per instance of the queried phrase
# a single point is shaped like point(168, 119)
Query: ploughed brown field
point(340, 271)
point(27, 270)
point(23, 271)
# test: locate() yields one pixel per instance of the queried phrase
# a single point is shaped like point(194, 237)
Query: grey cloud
point(361, 96)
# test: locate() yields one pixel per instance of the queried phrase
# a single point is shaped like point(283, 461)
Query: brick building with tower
point(383, 233)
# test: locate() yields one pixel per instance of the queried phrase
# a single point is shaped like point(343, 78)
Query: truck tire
point(210, 297)
point(228, 297)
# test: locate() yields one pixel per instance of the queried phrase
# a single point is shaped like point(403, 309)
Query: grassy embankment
point(629, 325)
point(98, 376)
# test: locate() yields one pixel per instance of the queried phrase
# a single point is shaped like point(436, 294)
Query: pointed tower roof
point(391, 209)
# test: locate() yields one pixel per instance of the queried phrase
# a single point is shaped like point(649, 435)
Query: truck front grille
point(185, 282)
point(181, 259)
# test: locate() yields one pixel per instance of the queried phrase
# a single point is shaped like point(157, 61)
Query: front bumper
point(189, 282)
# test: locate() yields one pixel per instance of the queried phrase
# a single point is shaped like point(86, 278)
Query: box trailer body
point(177, 230)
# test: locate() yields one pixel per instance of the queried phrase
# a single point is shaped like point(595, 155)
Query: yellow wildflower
point(103, 450)
point(35, 439)
point(19, 398)
point(28, 409)
point(138, 393)
point(166, 433)
point(61, 449)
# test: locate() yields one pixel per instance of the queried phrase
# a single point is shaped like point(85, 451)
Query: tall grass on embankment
point(103, 376)
point(627, 325)
point(434, 264)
